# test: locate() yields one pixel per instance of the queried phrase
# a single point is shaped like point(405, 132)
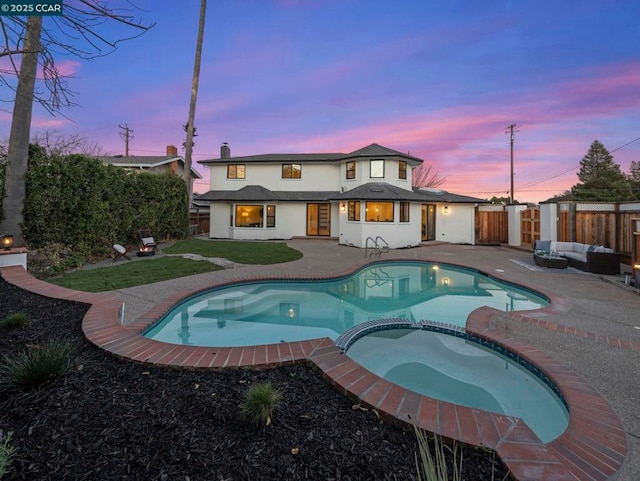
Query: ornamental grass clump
point(14, 321)
point(6, 452)
point(261, 400)
point(433, 467)
point(37, 365)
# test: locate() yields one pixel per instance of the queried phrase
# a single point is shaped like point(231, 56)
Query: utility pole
point(127, 135)
point(511, 130)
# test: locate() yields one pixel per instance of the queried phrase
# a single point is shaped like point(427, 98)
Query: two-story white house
point(350, 197)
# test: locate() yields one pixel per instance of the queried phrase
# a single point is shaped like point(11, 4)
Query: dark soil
point(110, 419)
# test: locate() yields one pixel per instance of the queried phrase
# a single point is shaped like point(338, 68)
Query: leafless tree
point(58, 144)
point(425, 176)
point(83, 31)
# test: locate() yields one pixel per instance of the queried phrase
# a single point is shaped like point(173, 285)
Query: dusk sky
point(441, 80)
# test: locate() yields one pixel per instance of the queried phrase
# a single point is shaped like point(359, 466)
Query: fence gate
point(530, 225)
point(491, 226)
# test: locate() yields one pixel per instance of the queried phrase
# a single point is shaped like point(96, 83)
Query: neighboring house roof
point(145, 162)
point(257, 193)
point(378, 191)
point(438, 195)
point(373, 150)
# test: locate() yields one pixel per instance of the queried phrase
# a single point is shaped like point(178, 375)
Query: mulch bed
point(111, 419)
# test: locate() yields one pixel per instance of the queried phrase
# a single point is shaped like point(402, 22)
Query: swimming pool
point(270, 312)
point(459, 371)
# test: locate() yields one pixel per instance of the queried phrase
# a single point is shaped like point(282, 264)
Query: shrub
point(261, 400)
point(89, 206)
point(14, 321)
point(6, 452)
point(36, 366)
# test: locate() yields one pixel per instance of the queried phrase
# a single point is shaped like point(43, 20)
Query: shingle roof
point(257, 193)
point(378, 191)
point(438, 195)
point(276, 158)
point(372, 150)
point(369, 191)
point(376, 150)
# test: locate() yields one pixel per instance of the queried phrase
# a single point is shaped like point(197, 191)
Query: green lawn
point(243, 252)
point(132, 274)
point(146, 271)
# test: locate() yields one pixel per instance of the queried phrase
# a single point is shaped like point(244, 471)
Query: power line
point(625, 145)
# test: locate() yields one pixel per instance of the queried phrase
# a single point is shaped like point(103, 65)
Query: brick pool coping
point(593, 447)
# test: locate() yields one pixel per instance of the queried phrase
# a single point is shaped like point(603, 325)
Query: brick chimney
point(172, 151)
point(225, 151)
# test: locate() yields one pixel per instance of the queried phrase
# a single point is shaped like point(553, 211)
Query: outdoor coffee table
point(550, 260)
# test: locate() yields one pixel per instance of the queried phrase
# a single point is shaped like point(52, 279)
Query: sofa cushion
point(575, 256)
point(541, 245)
point(564, 246)
point(592, 248)
point(604, 249)
point(582, 248)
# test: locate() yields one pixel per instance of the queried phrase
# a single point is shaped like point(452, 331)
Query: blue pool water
point(462, 372)
point(271, 312)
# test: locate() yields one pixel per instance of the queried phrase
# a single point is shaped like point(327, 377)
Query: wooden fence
point(492, 225)
point(607, 224)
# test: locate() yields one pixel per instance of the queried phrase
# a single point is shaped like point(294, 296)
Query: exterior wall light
point(445, 281)
point(446, 209)
point(7, 242)
point(343, 207)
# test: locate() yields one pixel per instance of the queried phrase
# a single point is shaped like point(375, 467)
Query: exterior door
point(428, 222)
point(318, 219)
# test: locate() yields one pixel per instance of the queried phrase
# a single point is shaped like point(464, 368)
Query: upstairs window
point(402, 169)
point(376, 169)
point(291, 171)
point(351, 169)
point(235, 171)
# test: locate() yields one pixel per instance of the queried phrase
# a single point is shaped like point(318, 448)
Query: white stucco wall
point(549, 221)
point(458, 226)
point(363, 174)
point(291, 221)
point(319, 177)
point(513, 216)
point(396, 234)
point(17, 257)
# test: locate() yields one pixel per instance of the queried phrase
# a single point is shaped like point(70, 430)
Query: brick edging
point(592, 447)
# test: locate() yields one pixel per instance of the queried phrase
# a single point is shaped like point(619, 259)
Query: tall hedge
point(78, 201)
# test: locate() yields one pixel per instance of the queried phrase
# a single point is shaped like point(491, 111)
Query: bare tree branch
point(84, 31)
point(425, 176)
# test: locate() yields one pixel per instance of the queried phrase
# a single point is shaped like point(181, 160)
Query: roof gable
point(376, 150)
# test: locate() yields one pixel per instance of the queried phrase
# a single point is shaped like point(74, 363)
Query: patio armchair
point(147, 240)
point(120, 251)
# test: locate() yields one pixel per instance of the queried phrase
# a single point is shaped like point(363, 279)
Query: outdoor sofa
point(589, 258)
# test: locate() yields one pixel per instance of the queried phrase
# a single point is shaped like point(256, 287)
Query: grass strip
point(242, 252)
point(132, 274)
